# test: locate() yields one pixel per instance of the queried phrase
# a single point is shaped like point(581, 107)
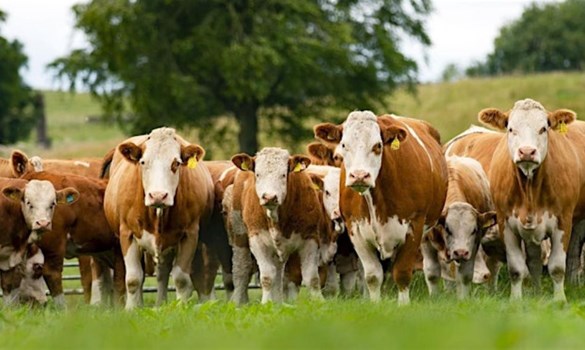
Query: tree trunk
point(248, 137)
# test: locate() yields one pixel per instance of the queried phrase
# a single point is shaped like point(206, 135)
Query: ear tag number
point(192, 163)
point(563, 128)
point(395, 145)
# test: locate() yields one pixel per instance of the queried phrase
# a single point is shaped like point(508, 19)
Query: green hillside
point(451, 107)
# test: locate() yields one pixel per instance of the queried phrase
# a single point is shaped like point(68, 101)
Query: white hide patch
point(9, 258)
point(271, 171)
point(331, 193)
point(534, 230)
point(82, 164)
point(385, 238)
point(148, 243)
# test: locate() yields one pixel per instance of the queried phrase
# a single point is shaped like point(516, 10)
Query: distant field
point(451, 107)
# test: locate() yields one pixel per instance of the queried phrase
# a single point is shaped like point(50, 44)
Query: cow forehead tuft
point(272, 156)
point(161, 138)
point(361, 116)
point(162, 134)
point(528, 104)
point(39, 186)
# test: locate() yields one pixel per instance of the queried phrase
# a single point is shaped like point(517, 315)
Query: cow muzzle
point(158, 199)
point(528, 155)
point(42, 226)
point(360, 181)
point(269, 201)
point(460, 255)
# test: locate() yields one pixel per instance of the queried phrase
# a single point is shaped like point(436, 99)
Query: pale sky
point(461, 30)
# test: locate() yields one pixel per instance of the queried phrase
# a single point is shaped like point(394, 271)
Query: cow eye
point(510, 130)
point(377, 149)
point(327, 193)
point(343, 145)
point(175, 166)
point(142, 162)
point(283, 176)
point(542, 130)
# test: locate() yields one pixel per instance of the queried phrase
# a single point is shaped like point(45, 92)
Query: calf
point(467, 214)
point(157, 198)
point(393, 185)
point(281, 214)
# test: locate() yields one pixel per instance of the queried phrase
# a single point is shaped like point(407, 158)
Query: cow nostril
point(165, 196)
point(367, 176)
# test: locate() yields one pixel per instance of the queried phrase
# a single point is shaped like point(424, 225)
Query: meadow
point(485, 321)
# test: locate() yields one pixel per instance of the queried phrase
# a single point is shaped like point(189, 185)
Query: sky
point(462, 31)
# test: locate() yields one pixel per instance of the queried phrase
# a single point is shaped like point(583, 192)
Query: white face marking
point(461, 231)
point(159, 166)
point(331, 193)
point(271, 172)
point(527, 135)
point(38, 204)
point(361, 134)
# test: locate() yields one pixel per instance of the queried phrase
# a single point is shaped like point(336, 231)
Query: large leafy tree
point(547, 37)
point(16, 119)
point(186, 62)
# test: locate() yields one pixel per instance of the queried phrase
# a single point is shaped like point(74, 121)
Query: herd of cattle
point(375, 199)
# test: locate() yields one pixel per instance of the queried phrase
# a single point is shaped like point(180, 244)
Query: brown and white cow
point(393, 186)
point(281, 214)
point(468, 213)
point(537, 180)
point(157, 198)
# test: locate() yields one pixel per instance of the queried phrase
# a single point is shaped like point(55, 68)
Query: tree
point(451, 73)
point(16, 120)
point(545, 38)
point(190, 61)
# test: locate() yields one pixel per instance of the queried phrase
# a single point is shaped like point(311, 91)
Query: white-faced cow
point(393, 185)
point(157, 198)
point(537, 179)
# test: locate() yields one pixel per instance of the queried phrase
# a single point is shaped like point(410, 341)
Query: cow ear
point(67, 196)
point(191, 155)
point(561, 116)
point(486, 220)
point(328, 132)
point(318, 183)
point(390, 133)
point(244, 162)
point(130, 151)
point(298, 163)
point(493, 117)
point(13, 193)
point(319, 151)
point(442, 219)
point(19, 161)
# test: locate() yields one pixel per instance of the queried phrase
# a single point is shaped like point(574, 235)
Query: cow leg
point(53, 275)
point(557, 261)
point(373, 273)
point(242, 272)
point(134, 273)
point(182, 270)
point(464, 277)
point(516, 264)
point(574, 253)
point(204, 270)
point(228, 281)
point(163, 272)
point(98, 275)
point(404, 263)
point(309, 254)
point(85, 271)
point(431, 267)
point(119, 276)
point(534, 262)
point(270, 268)
point(331, 283)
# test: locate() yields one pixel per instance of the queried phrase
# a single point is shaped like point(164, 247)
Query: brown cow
point(393, 185)
point(467, 215)
point(537, 183)
point(281, 214)
point(157, 198)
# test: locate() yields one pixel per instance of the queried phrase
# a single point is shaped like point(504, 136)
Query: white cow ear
point(130, 151)
point(244, 162)
point(13, 193)
point(493, 117)
point(487, 220)
point(298, 163)
point(67, 196)
point(328, 132)
point(561, 116)
point(18, 161)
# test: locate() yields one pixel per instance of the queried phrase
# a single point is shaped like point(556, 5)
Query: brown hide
point(479, 146)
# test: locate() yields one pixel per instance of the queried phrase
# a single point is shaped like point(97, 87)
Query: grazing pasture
point(485, 320)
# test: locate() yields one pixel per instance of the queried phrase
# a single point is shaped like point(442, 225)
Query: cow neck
point(532, 188)
point(5, 168)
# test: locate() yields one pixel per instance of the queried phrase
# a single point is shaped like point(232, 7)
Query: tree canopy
point(186, 62)
point(547, 37)
point(16, 119)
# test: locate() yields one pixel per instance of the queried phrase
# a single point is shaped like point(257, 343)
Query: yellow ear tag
point(395, 145)
point(192, 163)
point(563, 128)
point(298, 168)
point(314, 185)
point(244, 166)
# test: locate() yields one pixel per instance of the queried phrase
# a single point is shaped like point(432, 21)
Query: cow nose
point(335, 215)
point(527, 153)
point(359, 175)
point(269, 199)
point(43, 224)
point(486, 277)
point(158, 196)
point(460, 254)
point(37, 270)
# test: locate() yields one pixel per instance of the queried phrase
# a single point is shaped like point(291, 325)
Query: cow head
point(324, 155)
point(38, 200)
point(462, 228)
point(331, 198)
point(527, 125)
point(271, 167)
point(159, 159)
point(361, 144)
